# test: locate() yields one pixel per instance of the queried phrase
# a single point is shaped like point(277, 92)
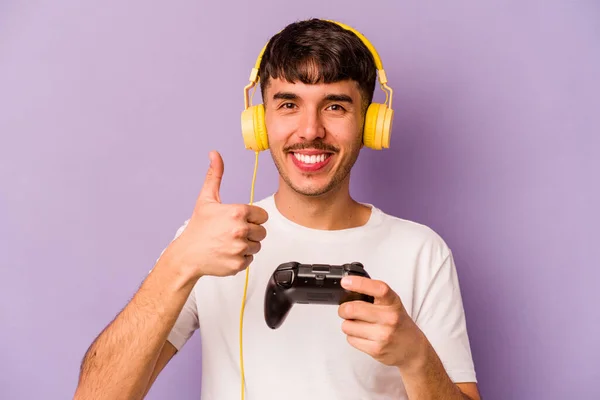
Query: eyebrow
point(343, 98)
point(285, 96)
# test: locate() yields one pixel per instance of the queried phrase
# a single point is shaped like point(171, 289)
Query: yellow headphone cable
point(246, 286)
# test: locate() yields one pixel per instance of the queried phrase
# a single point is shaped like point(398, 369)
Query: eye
point(288, 106)
point(336, 107)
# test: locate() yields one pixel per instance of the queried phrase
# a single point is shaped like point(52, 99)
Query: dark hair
point(317, 51)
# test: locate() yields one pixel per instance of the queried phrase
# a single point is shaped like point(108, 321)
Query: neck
point(333, 210)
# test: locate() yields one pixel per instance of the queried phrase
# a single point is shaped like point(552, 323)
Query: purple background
point(108, 111)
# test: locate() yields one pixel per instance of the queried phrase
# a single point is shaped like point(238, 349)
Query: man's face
point(315, 133)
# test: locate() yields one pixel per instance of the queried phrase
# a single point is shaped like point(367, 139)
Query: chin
point(312, 177)
point(311, 191)
point(310, 186)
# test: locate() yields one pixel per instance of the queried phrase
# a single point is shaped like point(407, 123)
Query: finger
point(253, 248)
point(364, 345)
point(212, 181)
point(381, 292)
point(256, 215)
point(256, 233)
point(248, 258)
point(361, 329)
point(360, 310)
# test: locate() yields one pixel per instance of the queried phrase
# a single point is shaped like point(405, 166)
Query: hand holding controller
point(293, 282)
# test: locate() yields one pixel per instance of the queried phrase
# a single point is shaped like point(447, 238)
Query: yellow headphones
point(378, 121)
point(376, 135)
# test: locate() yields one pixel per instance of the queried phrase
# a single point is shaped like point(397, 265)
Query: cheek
point(278, 129)
point(345, 130)
point(348, 137)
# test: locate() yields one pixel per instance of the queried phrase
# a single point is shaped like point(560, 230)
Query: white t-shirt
point(308, 355)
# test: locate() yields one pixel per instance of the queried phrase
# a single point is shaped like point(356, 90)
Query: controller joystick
point(293, 282)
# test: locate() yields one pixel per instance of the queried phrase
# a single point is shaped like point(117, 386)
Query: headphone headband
point(366, 42)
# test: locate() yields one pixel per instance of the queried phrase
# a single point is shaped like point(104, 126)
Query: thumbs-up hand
point(219, 239)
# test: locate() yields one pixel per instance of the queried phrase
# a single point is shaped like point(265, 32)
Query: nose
point(311, 126)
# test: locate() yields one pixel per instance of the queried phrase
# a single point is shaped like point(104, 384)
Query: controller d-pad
point(284, 278)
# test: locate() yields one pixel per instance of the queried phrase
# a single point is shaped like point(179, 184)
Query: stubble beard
point(339, 176)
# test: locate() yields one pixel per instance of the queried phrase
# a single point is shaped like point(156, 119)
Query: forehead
point(311, 91)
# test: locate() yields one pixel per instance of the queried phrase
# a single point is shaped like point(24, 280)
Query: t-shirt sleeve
point(187, 322)
point(441, 317)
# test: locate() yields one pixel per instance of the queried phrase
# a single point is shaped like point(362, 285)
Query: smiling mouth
point(310, 161)
point(311, 158)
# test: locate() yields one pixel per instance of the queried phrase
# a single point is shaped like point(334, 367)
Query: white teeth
point(310, 159)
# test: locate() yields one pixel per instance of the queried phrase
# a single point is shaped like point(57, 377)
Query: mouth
point(310, 160)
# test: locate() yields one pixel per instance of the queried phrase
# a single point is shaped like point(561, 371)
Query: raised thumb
point(212, 182)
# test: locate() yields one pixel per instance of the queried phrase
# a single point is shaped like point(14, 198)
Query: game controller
point(293, 282)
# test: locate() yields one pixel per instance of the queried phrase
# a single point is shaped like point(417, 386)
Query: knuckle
point(238, 211)
point(386, 335)
point(235, 266)
point(393, 319)
point(236, 248)
point(343, 311)
point(349, 309)
point(241, 247)
point(352, 340)
point(238, 264)
point(345, 327)
point(377, 350)
point(240, 231)
point(383, 289)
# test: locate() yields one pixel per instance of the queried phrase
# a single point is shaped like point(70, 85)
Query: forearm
point(119, 364)
point(424, 376)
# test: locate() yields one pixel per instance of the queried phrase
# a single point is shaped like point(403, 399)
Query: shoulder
point(413, 236)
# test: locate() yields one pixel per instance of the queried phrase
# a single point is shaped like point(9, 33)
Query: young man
point(317, 80)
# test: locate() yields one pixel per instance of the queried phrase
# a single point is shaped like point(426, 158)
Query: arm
point(167, 352)
point(385, 331)
point(219, 240)
point(128, 355)
point(440, 333)
point(425, 378)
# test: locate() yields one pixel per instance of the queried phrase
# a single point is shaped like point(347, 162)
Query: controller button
point(284, 278)
point(356, 267)
point(285, 267)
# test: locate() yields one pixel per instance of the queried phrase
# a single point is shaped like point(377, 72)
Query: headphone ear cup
point(386, 126)
point(378, 126)
point(254, 130)
point(370, 125)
